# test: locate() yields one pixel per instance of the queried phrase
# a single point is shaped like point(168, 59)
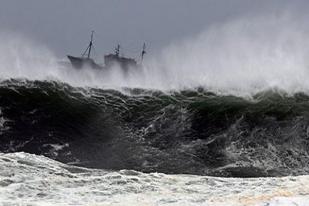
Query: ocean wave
point(38, 180)
point(190, 131)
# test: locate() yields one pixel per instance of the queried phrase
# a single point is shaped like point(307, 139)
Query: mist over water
point(239, 57)
point(160, 147)
point(246, 55)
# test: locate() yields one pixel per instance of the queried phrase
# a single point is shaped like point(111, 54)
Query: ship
point(110, 60)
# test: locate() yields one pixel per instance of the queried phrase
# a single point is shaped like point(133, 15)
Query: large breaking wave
point(192, 131)
point(233, 101)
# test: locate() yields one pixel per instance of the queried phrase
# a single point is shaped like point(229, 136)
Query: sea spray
point(239, 57)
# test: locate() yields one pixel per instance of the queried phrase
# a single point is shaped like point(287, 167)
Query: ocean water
point(63, 145)
point(27, 179)
point(219, 119)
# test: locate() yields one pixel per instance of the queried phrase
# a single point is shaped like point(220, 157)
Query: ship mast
point(117, 50)
point(144, 51)
point(89, 46)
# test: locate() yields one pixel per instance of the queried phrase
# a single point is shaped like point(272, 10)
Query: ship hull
point(80, 62)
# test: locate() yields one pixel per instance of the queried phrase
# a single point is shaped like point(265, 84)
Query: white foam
point(36, 180)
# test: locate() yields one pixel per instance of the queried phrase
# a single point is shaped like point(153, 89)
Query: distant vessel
point(110, 60)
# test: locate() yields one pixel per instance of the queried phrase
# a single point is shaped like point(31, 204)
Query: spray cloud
point(241, 56)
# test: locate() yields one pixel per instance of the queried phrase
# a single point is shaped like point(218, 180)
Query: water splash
point(247, 55)
point(242, 57)
point(37, 180)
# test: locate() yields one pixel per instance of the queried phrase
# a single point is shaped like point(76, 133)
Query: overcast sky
point(65, 25)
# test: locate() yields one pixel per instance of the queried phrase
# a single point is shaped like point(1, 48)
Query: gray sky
point(65, 25)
